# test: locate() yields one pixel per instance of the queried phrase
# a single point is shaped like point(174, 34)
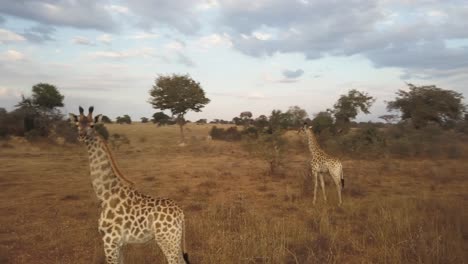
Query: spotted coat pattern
point(128, 216)
point(322, 163)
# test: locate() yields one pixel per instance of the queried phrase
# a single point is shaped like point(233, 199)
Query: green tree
point(144, 120)
point(261, 122)
point(179, 94)
point(321, 122)
point(161, 118)
point(295, 116)
point(348, 106)
point(246, 118)
point(46, 96)
point(277, 120)
point(105, 119)
point(425, 104)
point(123, 119)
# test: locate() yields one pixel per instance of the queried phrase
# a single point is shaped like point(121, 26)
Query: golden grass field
point(394, 211)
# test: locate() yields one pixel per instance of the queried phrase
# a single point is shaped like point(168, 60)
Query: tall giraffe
point(127, 216)
point(322, 163)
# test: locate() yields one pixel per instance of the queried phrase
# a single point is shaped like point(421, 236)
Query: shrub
point(102, 131)
point(230, 134)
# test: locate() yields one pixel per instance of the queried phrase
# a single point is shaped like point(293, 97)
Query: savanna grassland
point(394, 210)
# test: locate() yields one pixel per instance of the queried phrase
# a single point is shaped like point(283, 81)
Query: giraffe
point(128, 216)
point(322, 163)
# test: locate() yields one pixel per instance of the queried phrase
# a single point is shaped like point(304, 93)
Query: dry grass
point(394, 211)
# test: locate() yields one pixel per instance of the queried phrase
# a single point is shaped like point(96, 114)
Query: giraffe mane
point(116, 170)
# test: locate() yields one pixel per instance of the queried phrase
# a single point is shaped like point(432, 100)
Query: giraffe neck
point(103, 171)
point(313, 144)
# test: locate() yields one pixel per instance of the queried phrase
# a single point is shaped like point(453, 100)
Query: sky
point(247, 55)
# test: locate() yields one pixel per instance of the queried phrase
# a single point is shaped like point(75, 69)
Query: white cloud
point(255, 95)
point(143, 35)
point(118, 9)
point(214, 40)
point(143, 52)
point(175, 46)
point(261, 35)
point(105, 38)
point(82, 41)
point(8, 92)
point(12, 55)
point(9, 36)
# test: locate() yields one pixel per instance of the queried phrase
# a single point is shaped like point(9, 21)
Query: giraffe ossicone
point(128, 216)
point(322, 163)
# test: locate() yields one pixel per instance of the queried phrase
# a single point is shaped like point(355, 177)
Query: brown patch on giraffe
point(110, 214)
point(114, 202)
point(123, 195)
point(127, 225)
point(118, 220)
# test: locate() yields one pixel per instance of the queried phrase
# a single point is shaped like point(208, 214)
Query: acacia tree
point(40, 110)
point(179, 94)
point(348, 106)
point(46, 96)
point(424, 104)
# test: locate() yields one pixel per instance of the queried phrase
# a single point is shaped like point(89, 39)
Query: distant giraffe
point(322, 163)
point(128, 216)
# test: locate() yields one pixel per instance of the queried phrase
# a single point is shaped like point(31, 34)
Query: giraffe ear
point(98, 119)
point(73, 119)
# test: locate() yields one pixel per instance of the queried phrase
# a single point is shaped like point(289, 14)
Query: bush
point(230, 134)
point(102, 131)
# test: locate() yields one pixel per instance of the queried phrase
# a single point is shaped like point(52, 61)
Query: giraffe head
point(304, 128)
point(85, 124)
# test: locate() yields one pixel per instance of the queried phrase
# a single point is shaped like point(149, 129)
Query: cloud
point(7, 36)
point(118, 9)
point(143, 35)
point(82, 41)
point(388, 33)
point(214, 40)
point(12, 55)
point(8, 92)
point(85, 14)
point(39, 33)
point(105, 38)
point(2, 20)
point(290, 74)
point(185, 60)
point(181, 15)
point(175, 56)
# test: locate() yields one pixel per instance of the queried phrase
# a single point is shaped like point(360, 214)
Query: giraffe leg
point(171, 250)
point(315, 173)
point(112, 252)
point(336, 176)
point(338, 189)
point(171, 245)
point(322, 184)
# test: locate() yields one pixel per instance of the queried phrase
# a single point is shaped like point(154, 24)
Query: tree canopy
point(161, 118)
point(46, 96)
point(424, 104)
point(348, 106)
point(322, 121)
point(177, 93)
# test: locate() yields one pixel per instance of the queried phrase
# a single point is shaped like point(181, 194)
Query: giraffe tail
point(184, 254)
point(342, 178)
